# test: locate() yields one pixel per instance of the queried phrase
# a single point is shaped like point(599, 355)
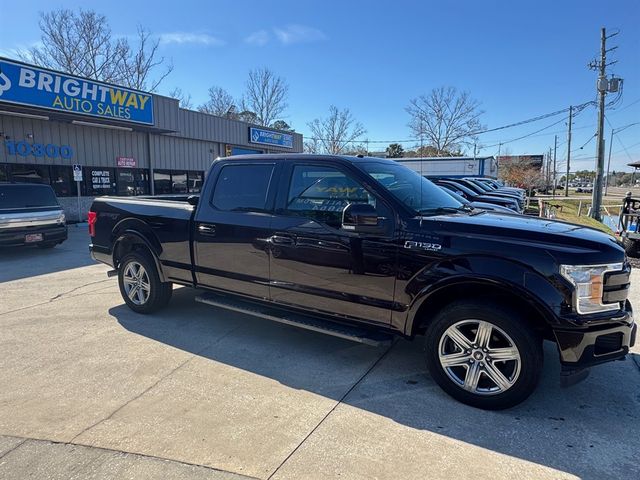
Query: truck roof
point(306, 156)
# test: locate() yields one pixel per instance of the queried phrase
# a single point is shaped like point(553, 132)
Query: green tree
point(395, 150)
point(282, 125)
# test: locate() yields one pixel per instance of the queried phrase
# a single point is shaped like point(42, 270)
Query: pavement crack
point(60, 295)
point(14, 448)
point(157, 382)
point(54, 298)
point(339, 402)
point(125, 452)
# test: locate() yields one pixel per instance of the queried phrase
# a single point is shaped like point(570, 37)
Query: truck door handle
point(209, 230)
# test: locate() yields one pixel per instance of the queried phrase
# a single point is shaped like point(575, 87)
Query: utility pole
point(602, 87)
point(566, 180)
point(555, 173)
point(613, 132)
point(549, 181)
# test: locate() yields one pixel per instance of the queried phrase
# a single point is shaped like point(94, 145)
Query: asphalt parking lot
point(91, 390)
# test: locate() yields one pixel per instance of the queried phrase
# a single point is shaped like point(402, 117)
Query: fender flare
point(531, 282)
point(140, 238)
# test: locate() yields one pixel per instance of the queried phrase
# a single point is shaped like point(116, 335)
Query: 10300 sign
point(50, 150)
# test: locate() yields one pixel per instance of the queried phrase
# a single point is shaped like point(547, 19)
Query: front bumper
point(583, 348)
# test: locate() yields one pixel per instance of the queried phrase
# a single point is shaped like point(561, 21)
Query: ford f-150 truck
point(369, 250)
point(30, 215)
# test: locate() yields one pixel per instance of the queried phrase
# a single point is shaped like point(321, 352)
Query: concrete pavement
point(92, 390)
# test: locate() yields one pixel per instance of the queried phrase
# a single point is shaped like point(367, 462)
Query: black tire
point(46, 245)
point(158, 293)
point(522, 373)
point(630, 247)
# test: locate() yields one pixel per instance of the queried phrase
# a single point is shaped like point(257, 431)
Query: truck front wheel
point(483, 355)
point(140, 284)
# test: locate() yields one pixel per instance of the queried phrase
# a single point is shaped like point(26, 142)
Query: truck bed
point(163, 221)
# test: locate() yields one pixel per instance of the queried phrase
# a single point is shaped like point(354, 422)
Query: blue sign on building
point(32, 86)
point(269, 137)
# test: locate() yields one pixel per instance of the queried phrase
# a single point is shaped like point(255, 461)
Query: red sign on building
point(128, 162)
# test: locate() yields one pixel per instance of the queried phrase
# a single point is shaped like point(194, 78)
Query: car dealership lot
point(91, 389)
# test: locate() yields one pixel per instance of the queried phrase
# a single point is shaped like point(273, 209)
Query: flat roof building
point(120, 141)
point(452, 166)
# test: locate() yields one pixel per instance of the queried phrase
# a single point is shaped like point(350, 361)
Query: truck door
point(315, 263)
point(231, 226)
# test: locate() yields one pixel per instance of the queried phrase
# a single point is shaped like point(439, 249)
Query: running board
point(301, 320)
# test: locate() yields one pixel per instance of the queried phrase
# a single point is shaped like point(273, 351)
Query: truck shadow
point(30, 261)
point(581, 430)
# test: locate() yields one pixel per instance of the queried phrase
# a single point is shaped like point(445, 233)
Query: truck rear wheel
point(140, 284)
point(485, 356)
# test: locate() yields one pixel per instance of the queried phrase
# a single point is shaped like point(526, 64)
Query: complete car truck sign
point(32, 86)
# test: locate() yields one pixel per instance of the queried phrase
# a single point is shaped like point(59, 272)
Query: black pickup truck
point(367, 249)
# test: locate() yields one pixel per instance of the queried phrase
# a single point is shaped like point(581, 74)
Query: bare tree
point(183, 98)
point(220, 103)
point(138, 64)
point(335, 133)
point(445, 119)
point(82, 44)
point(266, 96)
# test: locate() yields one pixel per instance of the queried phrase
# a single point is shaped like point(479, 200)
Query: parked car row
point(484, 193)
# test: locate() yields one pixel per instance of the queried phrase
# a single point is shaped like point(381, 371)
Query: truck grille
point(616, 286)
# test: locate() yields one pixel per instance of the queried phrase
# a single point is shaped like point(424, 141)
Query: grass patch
point(569, 214)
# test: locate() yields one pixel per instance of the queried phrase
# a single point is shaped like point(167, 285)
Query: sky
point(519, 59)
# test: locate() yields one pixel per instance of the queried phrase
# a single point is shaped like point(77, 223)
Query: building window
point(132, 181)
point(62, 181)
point(167, 182)
point(178, 182)
point(99, 181)
point(195, 180)
point(4, 173)
point(29, 173)
point(162, 182)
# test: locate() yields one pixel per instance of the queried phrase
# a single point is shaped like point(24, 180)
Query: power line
point(579, 108)
point(526, 136)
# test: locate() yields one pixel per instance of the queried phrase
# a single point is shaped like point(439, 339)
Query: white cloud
point(259, 38)
point(298, 34)
point(18, 49)
point(183, 38)
point(285, 35)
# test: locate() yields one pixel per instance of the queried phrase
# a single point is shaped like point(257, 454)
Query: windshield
point(481, 185)
point(26, 196)
point(409, 187)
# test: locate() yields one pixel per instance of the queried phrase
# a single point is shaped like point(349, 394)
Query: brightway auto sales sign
point(32, 86)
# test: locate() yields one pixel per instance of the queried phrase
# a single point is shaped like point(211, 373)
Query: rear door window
point(242, 187)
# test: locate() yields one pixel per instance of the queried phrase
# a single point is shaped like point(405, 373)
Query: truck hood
point(567, 243)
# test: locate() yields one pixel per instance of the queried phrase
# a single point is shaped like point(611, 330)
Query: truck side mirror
point(193, 200)
point(360, 217)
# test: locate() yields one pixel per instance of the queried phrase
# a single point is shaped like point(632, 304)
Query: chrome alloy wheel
point(136, 283)
point(479, 357)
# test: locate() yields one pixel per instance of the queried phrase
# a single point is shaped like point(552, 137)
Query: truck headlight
point(588, 281)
